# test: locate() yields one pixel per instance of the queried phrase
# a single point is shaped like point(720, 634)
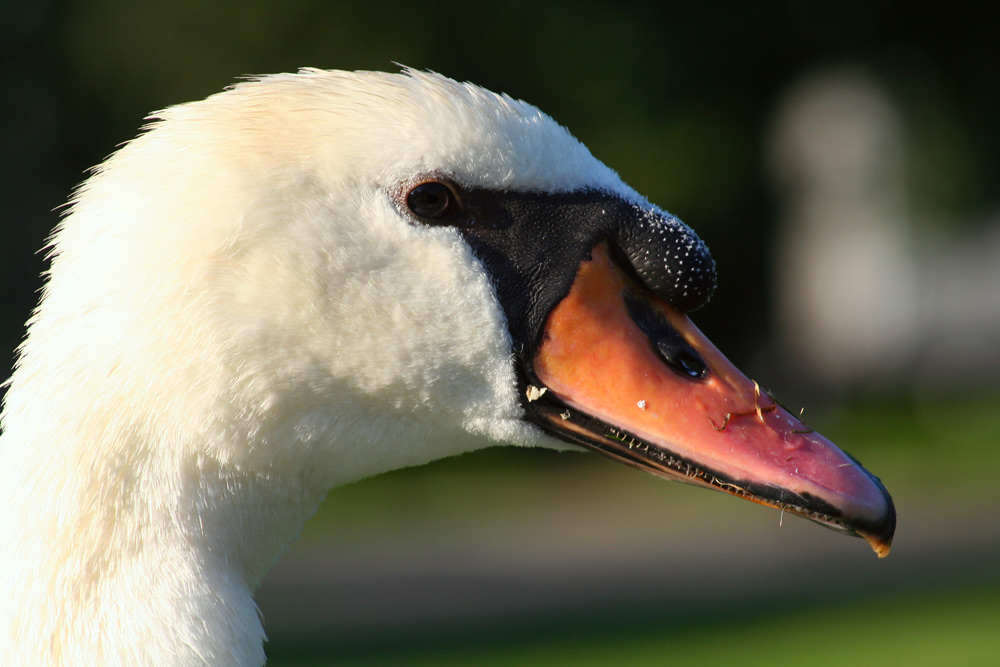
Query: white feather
point(236, 319)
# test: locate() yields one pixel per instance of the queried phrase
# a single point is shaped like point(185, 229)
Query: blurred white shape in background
point(863, 295)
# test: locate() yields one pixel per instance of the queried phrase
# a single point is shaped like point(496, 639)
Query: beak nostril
point(671, 346)
point(688, 364)
point(680, 357)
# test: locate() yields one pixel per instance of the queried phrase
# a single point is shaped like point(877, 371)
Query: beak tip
point(880, 539)
point(879, 545)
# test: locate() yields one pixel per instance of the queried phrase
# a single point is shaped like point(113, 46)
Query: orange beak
point(627, 375)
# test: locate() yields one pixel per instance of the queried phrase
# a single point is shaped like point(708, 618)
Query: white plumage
point(236, 319)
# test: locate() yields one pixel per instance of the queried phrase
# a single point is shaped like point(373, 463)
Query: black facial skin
point(532, 244)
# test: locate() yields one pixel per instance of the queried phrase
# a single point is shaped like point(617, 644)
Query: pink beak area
point(611, 389)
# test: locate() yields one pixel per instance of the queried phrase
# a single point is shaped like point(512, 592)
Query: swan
point(312, 278)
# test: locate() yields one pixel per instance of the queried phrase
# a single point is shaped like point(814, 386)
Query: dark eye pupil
point(431, 200)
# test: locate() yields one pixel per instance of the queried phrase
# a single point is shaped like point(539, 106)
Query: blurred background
point(842, 161)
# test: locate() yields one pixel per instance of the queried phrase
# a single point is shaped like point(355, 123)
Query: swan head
point(315, 277)
point(263, 277)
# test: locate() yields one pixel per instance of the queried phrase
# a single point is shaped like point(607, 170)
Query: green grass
point(958, 628)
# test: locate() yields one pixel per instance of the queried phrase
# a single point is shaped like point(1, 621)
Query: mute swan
point(316, 277)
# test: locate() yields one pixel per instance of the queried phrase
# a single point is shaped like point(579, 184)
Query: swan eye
point(433, 200)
